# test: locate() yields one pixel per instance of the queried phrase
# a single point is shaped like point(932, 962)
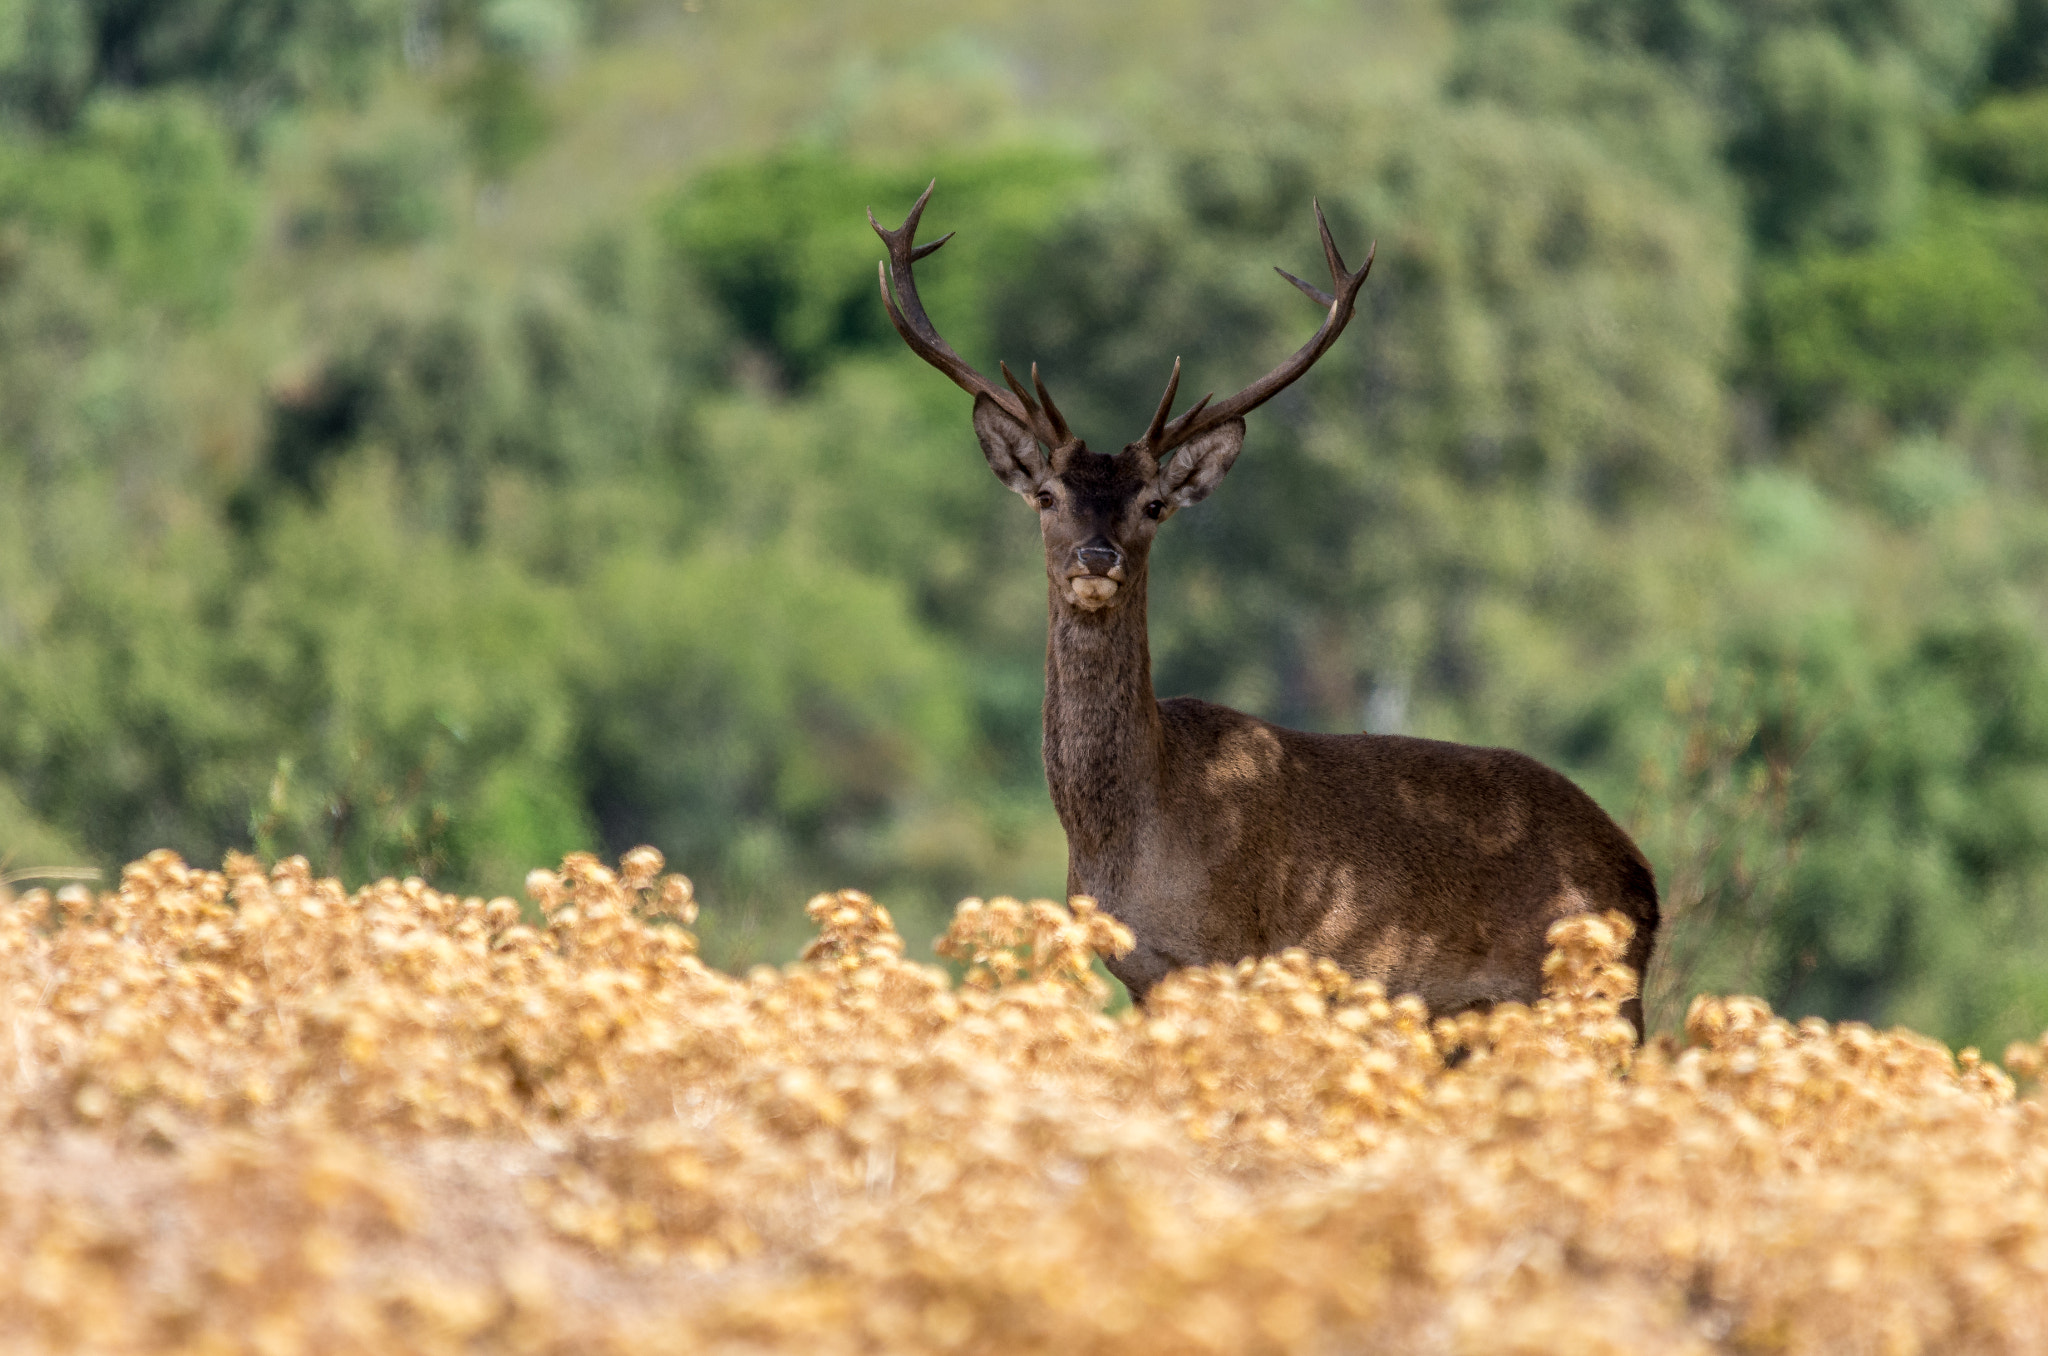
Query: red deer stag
point(1434, 868)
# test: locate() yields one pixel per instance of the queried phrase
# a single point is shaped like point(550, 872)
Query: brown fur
point(1434, 868)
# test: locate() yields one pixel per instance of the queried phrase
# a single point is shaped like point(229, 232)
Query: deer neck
point(1103, 738)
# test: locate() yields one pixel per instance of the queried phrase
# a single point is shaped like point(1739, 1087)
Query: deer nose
point(1097, 559)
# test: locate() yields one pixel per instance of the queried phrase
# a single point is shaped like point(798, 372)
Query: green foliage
point(230, 708)
point(1846, 807)
point(55, 55)
point(387, 193)
point(454, 385)
point(779, 244)
point(445, 760)
point(1714, 809)
point(1824, 105)
point(1854, 820)
point(504, 114)
point(1836, 141)
point(2019, 54)
point(45, 57)
point(530, 30)
point(147, 189)
point(1916, 895)
point(763, 710)
point(2001, 146)
point(1908, 328)
point(1625, 100)
point(500, 100)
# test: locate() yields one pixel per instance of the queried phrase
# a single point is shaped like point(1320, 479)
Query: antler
point(1041, 416)
point(1163, 437)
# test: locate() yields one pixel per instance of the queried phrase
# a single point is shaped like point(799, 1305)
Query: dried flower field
point(248, 1111)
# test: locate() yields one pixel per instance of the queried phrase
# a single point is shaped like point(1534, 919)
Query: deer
point(1434, 868)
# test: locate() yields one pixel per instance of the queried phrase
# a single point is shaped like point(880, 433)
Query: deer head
point(1098, 512)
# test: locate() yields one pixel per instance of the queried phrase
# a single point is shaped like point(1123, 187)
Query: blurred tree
point(54, 54)
point(454, 385)
point(1917, 895)
point(2019, 56)
point(1824, 105)
point(387, 193)
point(1908, 328)
point(2001, 146)
point(147, 189)
point(1834, 140)
point(781, 247)
point(502, 108)
point(763, 711)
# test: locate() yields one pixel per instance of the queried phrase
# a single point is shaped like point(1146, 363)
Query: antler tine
point(1052, 411)
point(1308, 289)
point(1158, 442)
point(1158, 425)
point(1341, 304)
point(1030, 405)
point(917, 208)
point(917, 329)
point(1329, 245)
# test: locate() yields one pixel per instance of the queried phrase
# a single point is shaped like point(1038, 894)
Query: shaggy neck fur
point(1103, 738)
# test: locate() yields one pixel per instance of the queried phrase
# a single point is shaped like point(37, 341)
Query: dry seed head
point(592, 1133)
point(639, 867)
point(544, 888)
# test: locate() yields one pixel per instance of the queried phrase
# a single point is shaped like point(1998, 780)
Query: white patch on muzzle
point(1092, 591)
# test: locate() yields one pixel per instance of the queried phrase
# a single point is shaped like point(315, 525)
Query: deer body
point(1434, 868)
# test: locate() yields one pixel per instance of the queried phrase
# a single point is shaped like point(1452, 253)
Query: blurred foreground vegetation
point(249, 1111)
point(437, 437)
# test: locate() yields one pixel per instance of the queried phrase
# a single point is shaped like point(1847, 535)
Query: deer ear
point(1199, 467)
point(1011, 450)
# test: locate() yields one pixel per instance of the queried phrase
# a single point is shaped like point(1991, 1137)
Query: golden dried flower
point(639, 867)
point(251, 1111)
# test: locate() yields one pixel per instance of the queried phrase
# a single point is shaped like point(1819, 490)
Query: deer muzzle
point(1091, 591)
point(1102, 567)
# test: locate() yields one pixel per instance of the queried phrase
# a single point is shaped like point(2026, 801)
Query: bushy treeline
point(437, 437)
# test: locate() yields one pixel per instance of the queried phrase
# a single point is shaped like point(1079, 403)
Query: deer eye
point(1045, 499)
point(1155, 508)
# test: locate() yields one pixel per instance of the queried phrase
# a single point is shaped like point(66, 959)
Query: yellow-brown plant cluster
point(248, 1111)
